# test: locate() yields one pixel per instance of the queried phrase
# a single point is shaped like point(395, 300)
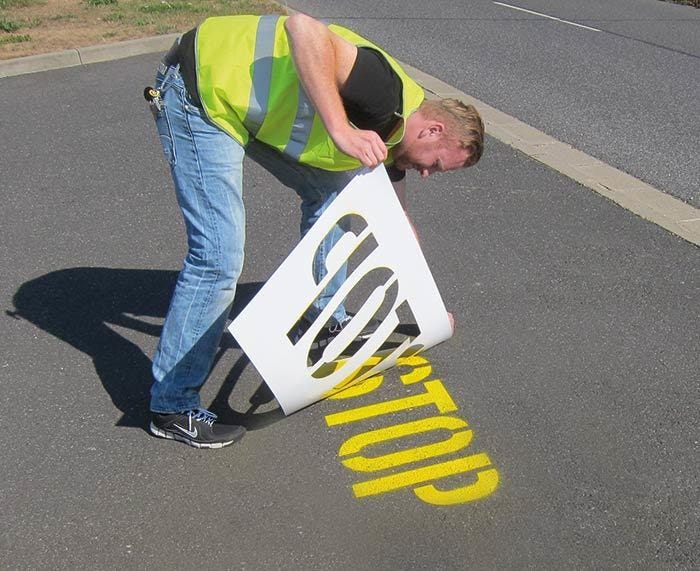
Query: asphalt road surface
point(574, 366)
point(617, 80)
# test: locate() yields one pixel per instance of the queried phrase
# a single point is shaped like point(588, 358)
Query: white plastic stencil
point(295, 369)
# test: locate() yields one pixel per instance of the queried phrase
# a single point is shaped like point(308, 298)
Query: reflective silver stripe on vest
point(301, 129)
point(262, 74)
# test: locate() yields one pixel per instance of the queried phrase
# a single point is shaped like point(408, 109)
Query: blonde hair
point(463, 124)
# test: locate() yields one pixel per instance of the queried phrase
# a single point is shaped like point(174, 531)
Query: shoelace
point(338, 327)
point(201, 415)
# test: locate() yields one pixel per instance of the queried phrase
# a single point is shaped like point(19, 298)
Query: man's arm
point(324, 61)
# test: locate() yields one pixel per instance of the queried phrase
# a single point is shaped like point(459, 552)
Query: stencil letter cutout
point(262, 328)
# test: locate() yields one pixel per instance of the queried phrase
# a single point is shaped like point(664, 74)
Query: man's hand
point(452, 321)
point(366, 146)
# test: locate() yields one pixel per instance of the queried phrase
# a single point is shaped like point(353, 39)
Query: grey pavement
point(625, 94)
point(575, 365)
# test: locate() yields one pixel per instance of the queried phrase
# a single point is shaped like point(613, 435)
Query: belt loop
point(169, 63)
point(172, 57)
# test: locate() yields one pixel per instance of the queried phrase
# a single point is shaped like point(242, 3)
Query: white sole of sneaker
point(160, 433)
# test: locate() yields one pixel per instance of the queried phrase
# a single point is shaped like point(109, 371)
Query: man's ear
point(433, 129)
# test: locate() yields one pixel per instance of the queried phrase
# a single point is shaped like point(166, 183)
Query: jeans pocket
point(165, 133)
point(191, 106)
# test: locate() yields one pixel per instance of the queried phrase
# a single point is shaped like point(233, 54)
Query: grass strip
point(15, 39)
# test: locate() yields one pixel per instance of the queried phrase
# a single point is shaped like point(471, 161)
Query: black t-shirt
point(372, 97)
point(372, 94)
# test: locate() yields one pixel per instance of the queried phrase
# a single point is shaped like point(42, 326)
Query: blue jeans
point(206, 167)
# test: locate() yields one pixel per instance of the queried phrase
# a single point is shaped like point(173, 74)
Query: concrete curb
point(85, 56)
point(632, 194)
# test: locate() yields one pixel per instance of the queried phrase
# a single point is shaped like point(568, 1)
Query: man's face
point(429, 152)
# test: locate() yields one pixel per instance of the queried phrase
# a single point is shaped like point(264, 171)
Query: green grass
point(107, 19)
point(62, 18)
point(19, 3)
point(170, 7)
point(162, 28)
point(115, 17)
point(12, 39)
point(9, 26)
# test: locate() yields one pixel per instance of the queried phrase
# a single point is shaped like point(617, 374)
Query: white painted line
point(550, 17)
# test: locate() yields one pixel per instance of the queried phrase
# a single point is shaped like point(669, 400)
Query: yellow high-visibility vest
point(249, 87)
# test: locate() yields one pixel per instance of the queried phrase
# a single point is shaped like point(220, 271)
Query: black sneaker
point(334, 328)
point(331, 330)
point(197, 428)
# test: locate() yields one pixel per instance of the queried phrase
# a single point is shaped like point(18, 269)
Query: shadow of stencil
point(251, 418)
point(80, 305)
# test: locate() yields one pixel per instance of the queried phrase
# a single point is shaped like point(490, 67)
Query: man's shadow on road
point(79, 306)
